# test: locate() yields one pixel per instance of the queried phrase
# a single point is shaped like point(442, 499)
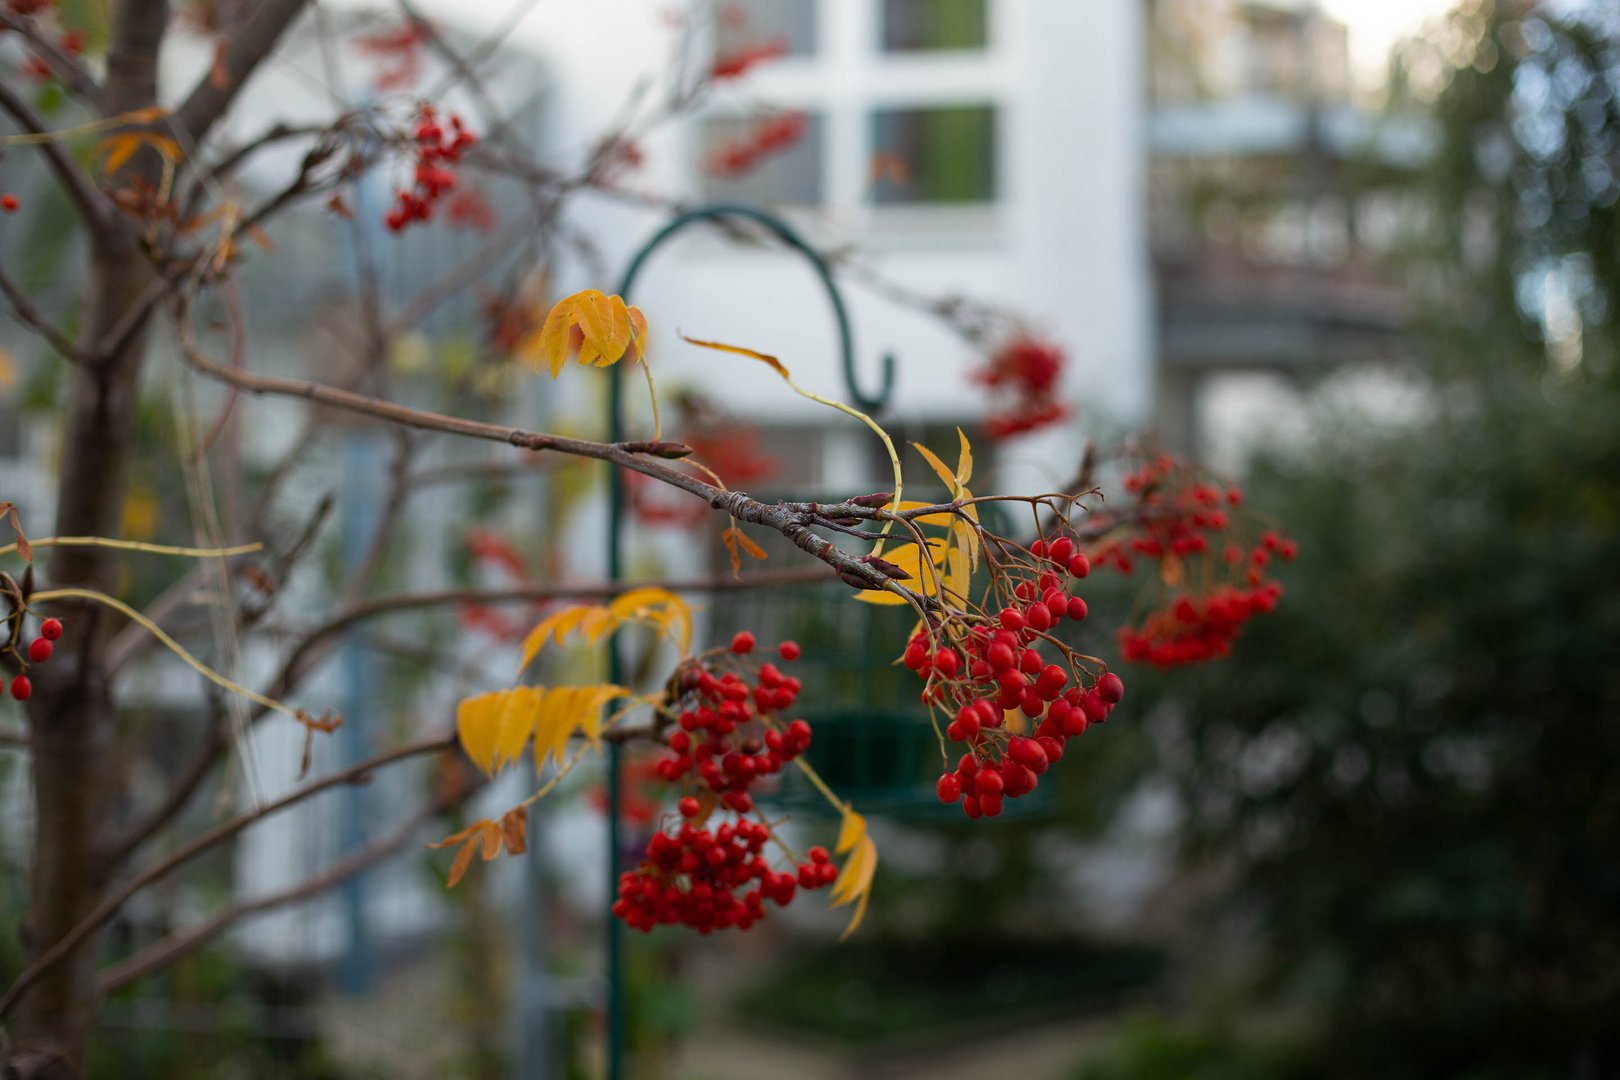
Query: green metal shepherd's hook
point(784, 232)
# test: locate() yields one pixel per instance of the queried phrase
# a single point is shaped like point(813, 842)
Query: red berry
point(1011, 619)
point(50, 629)
point(789, 650)
point(689, 807)
point(999, 656)
point(1110, 688)
point(742, 642)
point(1077, 608)
point(1079, 566)
point(8, 203)
point(1039, 616)
point(949, 788)
point(39, 651)
point(21, 688)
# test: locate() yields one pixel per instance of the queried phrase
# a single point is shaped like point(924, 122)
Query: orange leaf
point(515, 830)
point(463, 860)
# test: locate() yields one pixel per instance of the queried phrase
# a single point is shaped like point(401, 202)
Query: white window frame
point(846, 79)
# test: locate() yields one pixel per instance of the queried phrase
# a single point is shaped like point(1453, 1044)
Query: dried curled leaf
point(608, 328)
point(486, 839)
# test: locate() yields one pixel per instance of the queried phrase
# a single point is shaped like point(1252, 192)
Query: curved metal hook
point(785, 233)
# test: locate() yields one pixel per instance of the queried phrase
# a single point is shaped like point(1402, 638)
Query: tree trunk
point(72, 718)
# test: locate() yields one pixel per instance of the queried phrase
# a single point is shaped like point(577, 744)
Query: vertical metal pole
point(360, 510)
point(614, 930)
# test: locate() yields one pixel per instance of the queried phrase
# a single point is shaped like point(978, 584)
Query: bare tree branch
point(31, 315)
point(92, 205)
point(358, 773)
point(162, 953)
point(248, 47)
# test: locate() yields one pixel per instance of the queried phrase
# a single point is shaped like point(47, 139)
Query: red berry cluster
point(39, 651)
point(724, 740)
point(1028, 371)
point(435, 148)
point(996, 671)
point(713, 879)
point(715, 737)
point(1176, 522)
point(400, 51)
point(735, 64)
point(769, 136)
point(71, 41)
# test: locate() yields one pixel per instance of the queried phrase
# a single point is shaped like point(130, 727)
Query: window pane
point(922, 25)
point(773, 159)
point(934, 155)
point(744, 24)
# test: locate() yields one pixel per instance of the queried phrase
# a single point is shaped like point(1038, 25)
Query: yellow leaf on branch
point(854, 884)
point(494, 728)
point(658, 608)
point(608, 328)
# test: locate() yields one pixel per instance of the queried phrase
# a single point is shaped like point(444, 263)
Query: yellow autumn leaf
point(516, 723)
point(658, 608)
point(494, 728)
point(478, 726)
point(854, 882)
point(609, 329)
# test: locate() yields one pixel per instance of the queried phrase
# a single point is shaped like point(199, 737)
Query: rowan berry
point(39, 650)
point(1077, 610)
point(1039, 616)
point(742, 642)
point(690, 807)
point(949, 788)
point(8, 202)
point(50, 629)
point(21, 688)
point(789, 650)
point(1110, 688)
point(1011, 619)
point(1060, 550)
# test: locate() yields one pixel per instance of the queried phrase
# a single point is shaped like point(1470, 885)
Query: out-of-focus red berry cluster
point(1025, 375)
point(738, 62)
point(727, 736)
point(436, 148)
point(399, 51)
point(1177, 520)
point(768, 136)
point(70, 39)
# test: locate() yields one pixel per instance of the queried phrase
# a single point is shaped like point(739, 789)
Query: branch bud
point(855, 581)
point(887, 568)
point(875, 501)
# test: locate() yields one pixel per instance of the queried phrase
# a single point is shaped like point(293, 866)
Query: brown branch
point(162, 953)
point(91, 204)
point(246, 49)
point(202, 763)
point(26, 312)
point(355, 774)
